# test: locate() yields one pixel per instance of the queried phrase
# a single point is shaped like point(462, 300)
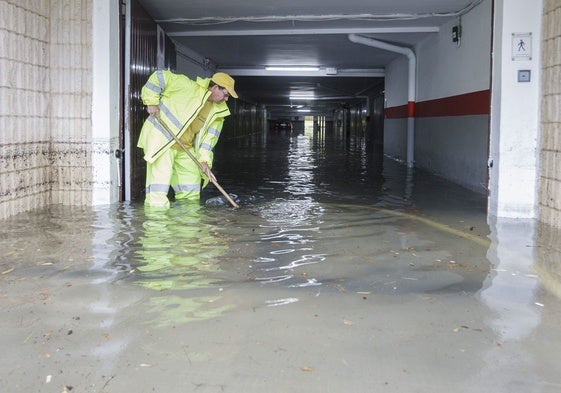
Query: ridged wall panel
point(70, 66)
point(45, 116)
point(550, 157)
point(25, 168)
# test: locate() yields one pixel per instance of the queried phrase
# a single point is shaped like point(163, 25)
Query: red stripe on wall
point(396, 112)
point(476, 103)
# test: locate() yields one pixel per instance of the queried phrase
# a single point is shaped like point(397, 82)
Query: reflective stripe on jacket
point(180, 99)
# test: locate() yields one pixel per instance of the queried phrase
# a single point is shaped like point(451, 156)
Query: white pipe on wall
point(411, 90)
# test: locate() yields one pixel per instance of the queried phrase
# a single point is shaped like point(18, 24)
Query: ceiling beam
point(265, 32)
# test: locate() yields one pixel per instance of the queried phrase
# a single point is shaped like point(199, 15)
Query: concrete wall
point(451, 130)
point(550, 173)
point(453, 142)
point(395, 129)
point(45, 91)
point(455, 148)
point(447, 68)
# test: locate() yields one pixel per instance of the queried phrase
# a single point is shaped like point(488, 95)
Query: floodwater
point(342, 271)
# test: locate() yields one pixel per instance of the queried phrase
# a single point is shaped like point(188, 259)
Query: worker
point(195, 112)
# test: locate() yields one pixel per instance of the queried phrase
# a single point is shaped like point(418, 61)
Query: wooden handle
point(212, 177)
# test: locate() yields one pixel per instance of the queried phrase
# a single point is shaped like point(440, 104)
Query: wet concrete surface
point(341, 272)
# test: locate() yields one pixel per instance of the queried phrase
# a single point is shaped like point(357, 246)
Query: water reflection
point(324, 201)
point(291, 226)
point(510, 291)
point(301, 166)
point(326, 233)
point(176, 248)
point(511, 288)
point(287, 234)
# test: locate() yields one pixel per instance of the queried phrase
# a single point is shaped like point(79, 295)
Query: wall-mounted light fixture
point(457, 32)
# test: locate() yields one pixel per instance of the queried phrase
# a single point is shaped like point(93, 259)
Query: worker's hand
point(208, 172)
point(153, 110)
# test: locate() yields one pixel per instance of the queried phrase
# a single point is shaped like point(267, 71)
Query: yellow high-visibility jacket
point(180, 99)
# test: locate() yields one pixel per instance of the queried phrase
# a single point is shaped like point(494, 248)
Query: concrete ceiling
point(242, 37)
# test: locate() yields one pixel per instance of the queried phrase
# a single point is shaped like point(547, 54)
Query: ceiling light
point(304, 110)
point(302, 97)
point(291, 68)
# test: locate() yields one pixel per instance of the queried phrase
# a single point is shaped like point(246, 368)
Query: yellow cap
point(226, 81)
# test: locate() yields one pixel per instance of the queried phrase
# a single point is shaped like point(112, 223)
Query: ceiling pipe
point(411, 91)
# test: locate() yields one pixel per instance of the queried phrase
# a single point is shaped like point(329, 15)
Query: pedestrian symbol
point(521, 46)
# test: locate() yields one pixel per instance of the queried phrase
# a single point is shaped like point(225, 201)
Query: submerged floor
point(341, 272)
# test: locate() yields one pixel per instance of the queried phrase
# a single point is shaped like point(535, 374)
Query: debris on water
point(221, 200)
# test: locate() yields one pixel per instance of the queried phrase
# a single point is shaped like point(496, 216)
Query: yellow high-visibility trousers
point(176, 169)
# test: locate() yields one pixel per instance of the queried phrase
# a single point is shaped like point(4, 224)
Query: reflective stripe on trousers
point(174, 168)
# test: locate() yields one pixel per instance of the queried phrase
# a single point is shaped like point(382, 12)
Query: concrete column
point(105, 101)
point(515, 106)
